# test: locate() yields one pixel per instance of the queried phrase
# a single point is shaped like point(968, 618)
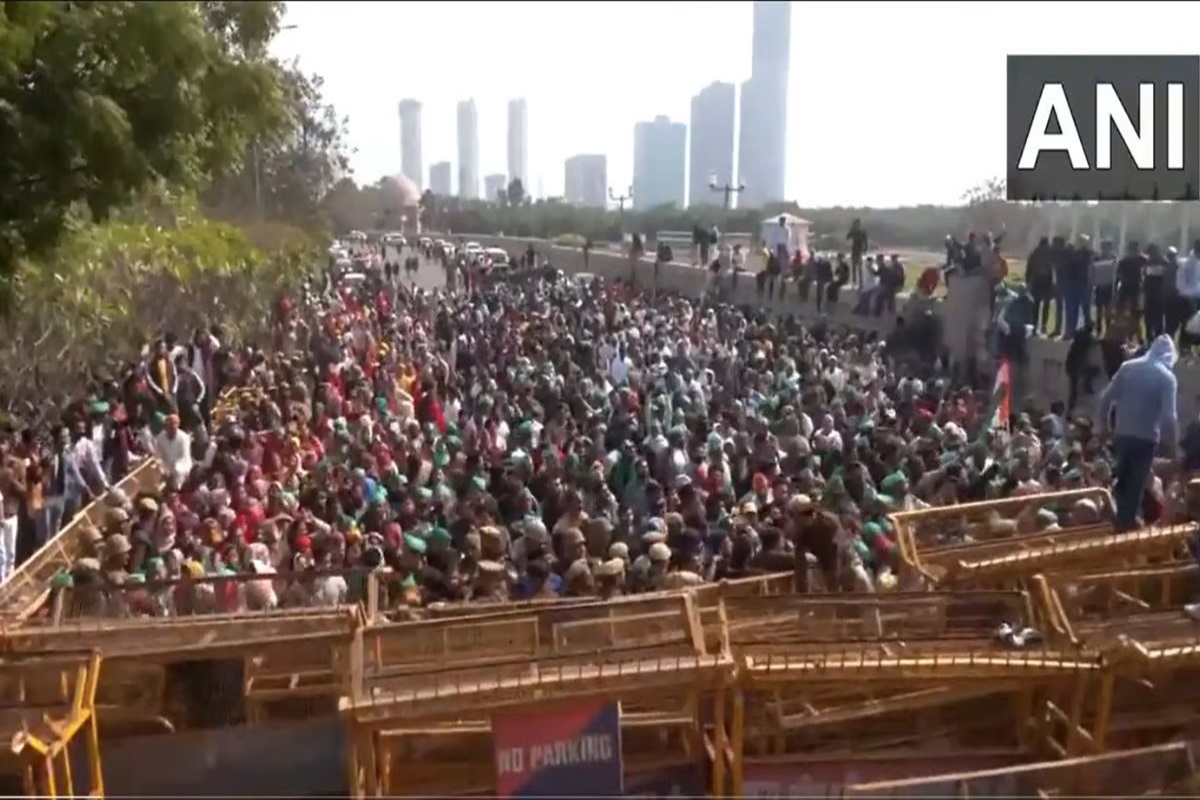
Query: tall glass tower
point(762, 149)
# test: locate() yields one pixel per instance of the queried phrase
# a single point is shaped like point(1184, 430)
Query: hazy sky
point(890, 103)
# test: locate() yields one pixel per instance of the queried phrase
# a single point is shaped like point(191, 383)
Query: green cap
point(415, 543)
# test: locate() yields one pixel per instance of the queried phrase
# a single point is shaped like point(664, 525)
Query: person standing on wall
point(779, 245)
point(1187, 285)
point(1154, 286)
point(1173, 306)
point(1060, 253)
point(857, 237)
point(1143, 395)
point(1076, 273)
point(1130, 270)
point(1039, 277)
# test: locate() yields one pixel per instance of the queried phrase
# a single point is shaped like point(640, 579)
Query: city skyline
point(441, 178)
point(493, 185)
point(711, 141)
point(659, 163)
point(517, 141)
point(762, 143)
point(861, 130)
point(585, 180)
point(468, 150)
point(412, 165)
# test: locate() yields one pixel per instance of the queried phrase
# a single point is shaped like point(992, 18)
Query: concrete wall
point(1046, 378)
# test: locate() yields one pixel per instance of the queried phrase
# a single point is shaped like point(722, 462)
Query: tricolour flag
point(1002, 396)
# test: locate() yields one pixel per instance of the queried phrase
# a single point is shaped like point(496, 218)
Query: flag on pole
point(1002, 396)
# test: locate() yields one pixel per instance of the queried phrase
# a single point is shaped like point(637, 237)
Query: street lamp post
point(729, 190)
point(620, 200)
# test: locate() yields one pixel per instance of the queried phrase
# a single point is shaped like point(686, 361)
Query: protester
point(1142, 397)
point(543, 438)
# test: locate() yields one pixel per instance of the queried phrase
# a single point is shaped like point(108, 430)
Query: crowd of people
point(542, 439)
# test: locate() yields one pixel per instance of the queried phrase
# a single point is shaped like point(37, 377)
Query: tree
point(515, 192)
point(991, 190)
point(430, 210)
point(99, 101)
point(287, 172)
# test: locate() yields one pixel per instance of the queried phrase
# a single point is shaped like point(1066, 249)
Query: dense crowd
point(549, 438)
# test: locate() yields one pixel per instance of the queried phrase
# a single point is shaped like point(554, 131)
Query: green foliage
point(99, 101)
point(109, 288)
point(287, 173)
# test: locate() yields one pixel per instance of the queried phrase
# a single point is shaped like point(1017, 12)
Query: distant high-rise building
point(585, 180)
point(711, 142)
point(468, 150)
point(762, 150)
point(659, 163)
point(493, 186)
point(441, 179)
point(518, 142)
point(410, 142)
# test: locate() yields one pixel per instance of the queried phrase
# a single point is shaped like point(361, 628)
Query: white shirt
point(330, 590)
point(779, 235)
point(175, 453)
point(618, 369)
point(827, 440)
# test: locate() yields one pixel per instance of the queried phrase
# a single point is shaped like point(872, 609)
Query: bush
point(111, 288)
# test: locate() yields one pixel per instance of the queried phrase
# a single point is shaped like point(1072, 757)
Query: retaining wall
point(1046, 378)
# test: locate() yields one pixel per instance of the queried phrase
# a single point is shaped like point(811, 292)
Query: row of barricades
point(1087, 658)
point(813, 673)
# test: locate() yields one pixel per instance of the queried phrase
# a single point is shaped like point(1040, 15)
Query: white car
point(497, 255)
point(473, 248)
point(395, 239)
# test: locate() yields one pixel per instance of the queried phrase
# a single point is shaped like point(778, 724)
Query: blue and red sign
point(568, 750)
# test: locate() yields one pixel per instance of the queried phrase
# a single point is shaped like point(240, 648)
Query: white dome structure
point(401, 192)
point(401, 201)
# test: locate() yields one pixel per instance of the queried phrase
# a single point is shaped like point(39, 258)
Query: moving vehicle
point(497, 256)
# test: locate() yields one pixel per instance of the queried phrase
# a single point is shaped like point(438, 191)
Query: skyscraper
point(493, 186)
point(518, 141)
point(585, 180)
point(441, 179)
point(659, 163)
point(711, 142)
point(762, 149)
point(410, 142)
point(468, 150)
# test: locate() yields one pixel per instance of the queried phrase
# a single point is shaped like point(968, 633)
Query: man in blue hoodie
point(1143, 394)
